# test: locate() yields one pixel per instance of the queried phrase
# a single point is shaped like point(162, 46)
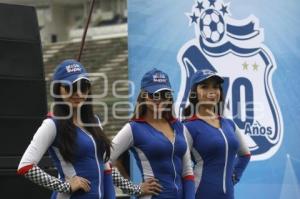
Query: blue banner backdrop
point(255, 46)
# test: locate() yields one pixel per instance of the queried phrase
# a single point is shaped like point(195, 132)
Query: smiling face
point(209, 92)
point(75, 93)
point(158, 102)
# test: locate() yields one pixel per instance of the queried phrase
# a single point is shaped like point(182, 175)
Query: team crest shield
point(235, 49)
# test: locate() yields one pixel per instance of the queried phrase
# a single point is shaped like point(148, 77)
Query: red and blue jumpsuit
point(220, 156)
point(158, 157)
point(88, 164)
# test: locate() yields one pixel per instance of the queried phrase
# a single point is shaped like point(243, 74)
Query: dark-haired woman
point(74, 139)
point(157, 141)
point(218, 148)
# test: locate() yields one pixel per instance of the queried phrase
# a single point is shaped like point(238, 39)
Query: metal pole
point(85, 30)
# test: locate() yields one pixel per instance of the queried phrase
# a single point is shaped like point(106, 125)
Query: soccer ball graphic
point(212, 26)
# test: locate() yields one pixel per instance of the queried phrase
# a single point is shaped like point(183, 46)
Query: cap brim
point(217, 77)
point(76, 77)
point(157, 88)
point(80, 78)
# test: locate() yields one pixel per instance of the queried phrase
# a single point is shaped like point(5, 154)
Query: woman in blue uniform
point(74, 139)
point(157, 141)
point(218, 148)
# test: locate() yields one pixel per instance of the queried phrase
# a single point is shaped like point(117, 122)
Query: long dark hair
point(66, 128)
point(140, 109)
point(190, 110)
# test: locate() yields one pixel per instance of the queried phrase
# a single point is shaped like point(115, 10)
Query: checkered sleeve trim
point(125, 185)
point(40, 177)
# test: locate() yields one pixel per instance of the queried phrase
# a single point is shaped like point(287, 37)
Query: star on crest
point(200, 6)
point(194, 18)
point(224, 10)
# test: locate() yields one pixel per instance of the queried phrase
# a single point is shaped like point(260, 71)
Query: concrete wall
point(61, 19)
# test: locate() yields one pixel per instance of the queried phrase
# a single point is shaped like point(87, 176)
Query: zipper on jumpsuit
point(226, 160)
point(97, 160)
point(173, 150)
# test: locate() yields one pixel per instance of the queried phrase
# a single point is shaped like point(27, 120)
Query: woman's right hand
point(150, 187)
point(77, 183)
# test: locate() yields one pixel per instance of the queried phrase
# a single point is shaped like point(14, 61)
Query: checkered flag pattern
point(40, 177)
point(125, 185)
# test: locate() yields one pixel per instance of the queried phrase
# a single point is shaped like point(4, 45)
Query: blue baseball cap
point(155, 81)
point(70, 71)
point(203, 75)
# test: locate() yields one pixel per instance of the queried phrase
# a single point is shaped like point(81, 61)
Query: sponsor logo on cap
point(159, 77)
point(73, 68)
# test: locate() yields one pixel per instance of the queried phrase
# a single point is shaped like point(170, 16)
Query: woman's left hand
point(150, 187)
